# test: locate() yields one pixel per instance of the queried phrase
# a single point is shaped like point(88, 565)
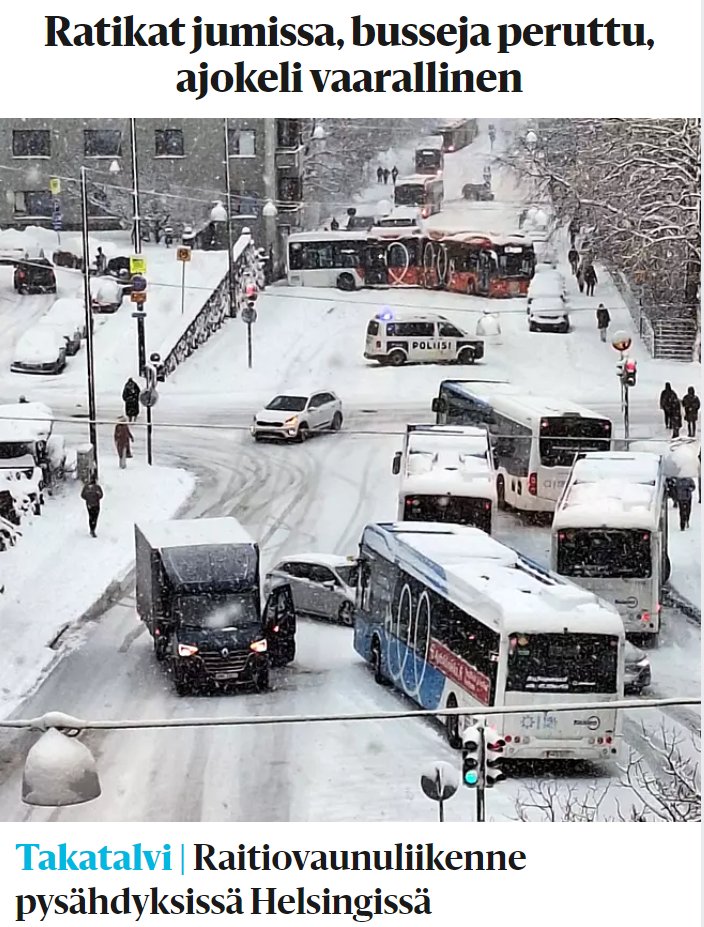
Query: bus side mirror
point(435, 405)
point(396, 465)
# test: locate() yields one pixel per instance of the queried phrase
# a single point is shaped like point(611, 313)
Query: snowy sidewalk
point(57, 571)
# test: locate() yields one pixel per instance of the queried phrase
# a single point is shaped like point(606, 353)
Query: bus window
point(373, 327)
point(595, 552)
point(561, 439)
point(295, 256)
point(562, 663)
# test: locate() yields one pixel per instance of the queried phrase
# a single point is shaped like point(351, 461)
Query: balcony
point(289, 160)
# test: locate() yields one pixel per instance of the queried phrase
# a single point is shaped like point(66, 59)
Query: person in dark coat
point(92, 494)
point(123, 441)
point(676, 420)
point(580, 278)
point(603, 320)
point(574, 228)
point(380, 173)
point(684, 490)
point(334, 225)
point(130, 397)
point(690, 405)
point(387, 174)
point(668, 401)
point(590, 279)
point(394, 174)
point(573, 258)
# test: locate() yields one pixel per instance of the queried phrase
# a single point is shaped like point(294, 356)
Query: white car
point(548, 313)
point(64, 329)
point(322, 585)
point(105, 294)
point(295, 416)
point(546, 284)
point(39, 351)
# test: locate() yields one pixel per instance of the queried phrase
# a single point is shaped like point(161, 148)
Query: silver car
point(323, 585)
point(296, 416)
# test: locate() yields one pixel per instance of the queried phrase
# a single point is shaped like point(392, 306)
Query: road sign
point(249, 315)
point(139, 284)
point(138, 296)
point(621, 341)
point(138, 265)
point(54, 186)
point(149, 398)
point(183, 254)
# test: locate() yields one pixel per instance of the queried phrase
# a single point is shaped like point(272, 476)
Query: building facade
point(180, 168)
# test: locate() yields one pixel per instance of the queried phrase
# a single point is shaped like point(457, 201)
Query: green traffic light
point(471, 777)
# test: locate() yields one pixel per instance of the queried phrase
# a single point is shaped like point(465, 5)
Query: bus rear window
point(458, 510)
point(373, 328)
point(562, 663)
point(561, 439)
point(600, 552)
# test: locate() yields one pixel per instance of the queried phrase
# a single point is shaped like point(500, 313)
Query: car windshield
point(348, 574)
point(218, 612)
point(288, 403)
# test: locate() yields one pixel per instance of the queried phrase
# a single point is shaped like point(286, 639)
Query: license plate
point(558, 754)
point(220, 677)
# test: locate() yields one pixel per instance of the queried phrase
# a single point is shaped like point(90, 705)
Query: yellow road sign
point(183, 254)
point(138, 265)
point(54, 186)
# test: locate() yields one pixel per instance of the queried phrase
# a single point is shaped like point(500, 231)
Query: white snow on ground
point(56, 572)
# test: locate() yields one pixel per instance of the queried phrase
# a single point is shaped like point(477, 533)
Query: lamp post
point(270, 212)
point(90, 358)
point(228, 209)
point(135, 189)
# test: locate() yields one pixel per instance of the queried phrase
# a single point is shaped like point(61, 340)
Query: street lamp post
point(90, 358)
point(228, 209)
point(135, 189)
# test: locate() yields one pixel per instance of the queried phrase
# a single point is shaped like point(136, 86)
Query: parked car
point(638, 673)
point(34, 276)
point(322, 585)
point(71, 311)
point(71, 335)
point(477, 191)
point(296, 416)
point(548, 313)
point(548, 284)
point(106, 294)
point(39, 351)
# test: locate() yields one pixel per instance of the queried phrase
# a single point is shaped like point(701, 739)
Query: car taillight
point(487, 506)
point(645, 616)
point(533, 484)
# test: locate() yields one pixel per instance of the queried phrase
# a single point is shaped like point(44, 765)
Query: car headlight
point(259, 646)
point(291, 422)
point(642, 664)
point(187, 650)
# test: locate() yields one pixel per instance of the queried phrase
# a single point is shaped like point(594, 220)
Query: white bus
point(609, 534)
point(420, 190)
point(326, 259)
point(452, 618)
point(535, 439)
point(447, 475)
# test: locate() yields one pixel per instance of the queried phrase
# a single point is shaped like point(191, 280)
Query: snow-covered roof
point(547, 304)
point(416, 179)
point(25, 422)
point(436, 438)
point(194, 532)
point(491, 582)
point(407, 316)
point(448, 475)
point(106, 289)
point(509, 399)
point(634, 466)
point(323, 235)
point(38, 345)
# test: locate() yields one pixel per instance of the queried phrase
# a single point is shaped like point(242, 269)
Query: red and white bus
point(425, 192)
point(486, 264)
point(393, 257)
point(325, 258)
point(458, 134)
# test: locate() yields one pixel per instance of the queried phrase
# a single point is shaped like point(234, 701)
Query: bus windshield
point(621, 552)
point(516, 261)
point(410, 195)
point(562, 663)
point(561, 439)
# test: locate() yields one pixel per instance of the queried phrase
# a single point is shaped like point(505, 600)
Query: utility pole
point(228, 209)
point(90, 357)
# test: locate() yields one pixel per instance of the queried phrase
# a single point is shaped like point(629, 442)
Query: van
point(394, 340)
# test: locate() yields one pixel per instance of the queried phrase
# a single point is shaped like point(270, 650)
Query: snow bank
point(46, 591)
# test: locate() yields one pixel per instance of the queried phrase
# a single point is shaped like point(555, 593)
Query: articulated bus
point(326, 259)
point(535, 440)
point(452, 618)
point(420, 190)
point(393, 257)
point(609, 534)
point(487, 264)
point(458, 134)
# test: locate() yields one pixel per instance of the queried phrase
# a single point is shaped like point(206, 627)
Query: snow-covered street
point(292, 498)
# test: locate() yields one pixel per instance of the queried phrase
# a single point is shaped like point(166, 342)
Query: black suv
point(35, 276)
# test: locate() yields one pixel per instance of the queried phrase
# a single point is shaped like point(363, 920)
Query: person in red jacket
point(123, 441)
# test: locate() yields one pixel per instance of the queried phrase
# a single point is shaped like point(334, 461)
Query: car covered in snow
point(295, 416)
point(548, 313)
point(548, 284)
point(70, 334)
point(40, 351)
point(322, 585)
point(105, 294)
point(480, 192)
point(637, 674)
point(402, 217)
point(71, 312)
point(31, 455)
point(35, 275)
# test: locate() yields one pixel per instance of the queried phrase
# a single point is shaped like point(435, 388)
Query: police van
point(419, 339)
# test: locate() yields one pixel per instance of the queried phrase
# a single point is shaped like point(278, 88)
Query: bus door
point(484, 273)
point(375, 269)
point(402, 269)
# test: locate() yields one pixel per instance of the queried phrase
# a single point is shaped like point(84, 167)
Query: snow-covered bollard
point(489, 327)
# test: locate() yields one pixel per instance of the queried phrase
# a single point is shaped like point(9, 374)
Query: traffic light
point(494, 747)
point(471, 756)
point(630, 371)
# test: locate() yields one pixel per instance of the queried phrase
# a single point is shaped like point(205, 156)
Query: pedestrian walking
point(123, 441)
point(574, 228)
point(394, 174)
point(684, 490)
point(573, 258)
point(676, 420)
point(690, 405)
point(522, 218)
point(101, 262)
point(334, 225)
point(91, 494)
point(380, 173)
point(130, 397)
point(603, 320)
point(580, 278)
point(487, 175)
point(492, 135)
point(590, 279)
point(668, 401)
point(387, 174)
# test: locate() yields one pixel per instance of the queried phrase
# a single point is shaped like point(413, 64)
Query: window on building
point(33, 203)
point(242, 143)
point(288, 133)
point(245, 204)
point(102, 143)
point(31, 143)
point(290, 190)
point(169, 143)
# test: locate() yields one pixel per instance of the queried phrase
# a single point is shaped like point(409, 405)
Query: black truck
point(197, 584)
